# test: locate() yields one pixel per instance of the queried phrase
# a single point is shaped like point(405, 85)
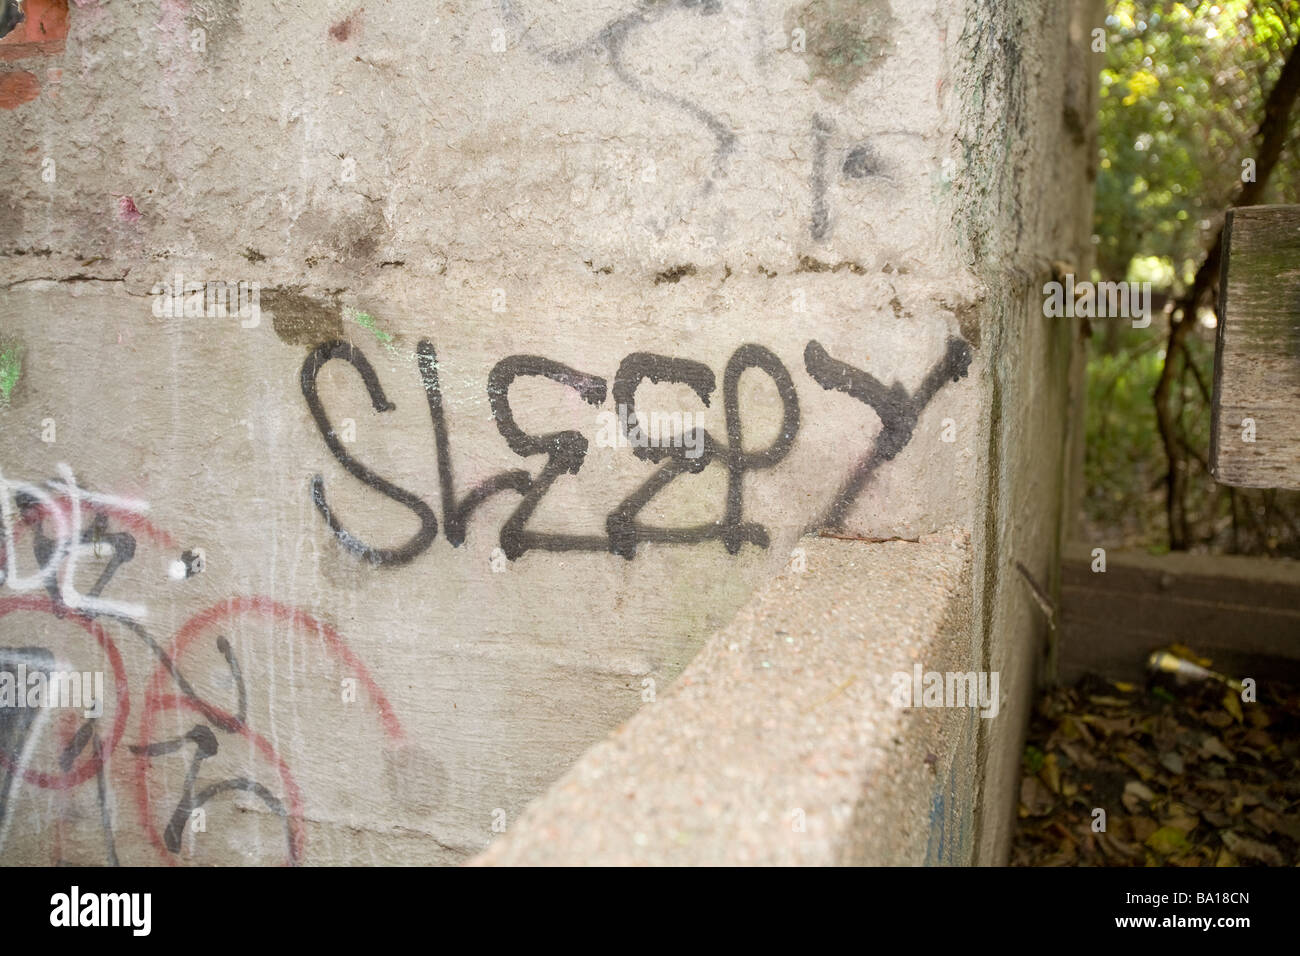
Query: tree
point(1197, 101)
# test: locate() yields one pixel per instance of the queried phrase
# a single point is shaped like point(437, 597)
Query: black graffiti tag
point(898, 411)
point(421, 540)
point(565, 451)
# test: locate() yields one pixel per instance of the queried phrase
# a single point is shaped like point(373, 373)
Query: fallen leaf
point(1289, 827)
point(1216, 819)
point(1102, 701)
point(1035, 799)
point(1033, 758)
point(1051, 774)
point(1258, 739)
point(1172, 762)
point(1078, 756)
point(1167, 840)
point(1139, 791)
point(1251, 849)
point(1264, 819)
point(1175, 768)
point(1142, 828)
point(1232, 705)
point(1137, 764)
point(1212, 746)
point(1181, 818)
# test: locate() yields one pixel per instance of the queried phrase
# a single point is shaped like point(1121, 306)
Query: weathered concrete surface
point(1024, 90)
point(779, 744)
point(500, 180)
point(503, 677)
point(1027, 100)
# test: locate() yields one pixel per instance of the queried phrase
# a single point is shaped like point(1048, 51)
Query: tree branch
point(1271, 138)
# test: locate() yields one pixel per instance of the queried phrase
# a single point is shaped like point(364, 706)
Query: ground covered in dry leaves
point(1187, 776)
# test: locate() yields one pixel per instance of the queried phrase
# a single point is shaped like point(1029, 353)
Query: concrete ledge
point(779, 743)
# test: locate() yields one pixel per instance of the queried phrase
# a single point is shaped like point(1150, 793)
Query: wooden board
point(1243, 613)
point(1257, 357)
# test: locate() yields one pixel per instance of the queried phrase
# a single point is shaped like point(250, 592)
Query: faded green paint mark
point(11, 369)
point(387, 339)
point(367, 321)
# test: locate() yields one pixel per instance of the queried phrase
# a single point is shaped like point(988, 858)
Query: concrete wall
point(357, 560)
point(1028, 124)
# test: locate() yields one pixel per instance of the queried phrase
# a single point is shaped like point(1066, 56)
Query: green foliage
point(1181, 97)
point(1123, 466)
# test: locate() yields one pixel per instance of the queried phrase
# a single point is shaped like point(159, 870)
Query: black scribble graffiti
point(623, 529)
point(566, 451)
point(237, 675)
point(123, 547)
point(205, 746)
point(11, 14)
point(17, 723)
point(428, 523)
point(820, 227)
point(609, 42)
point(121, 543)
point(75, 746)
point(736, 531)
point(455, 513)
point(101, 792)
point(192, 563)
point(898, 411)
point(642, 366)
point(621, 525)
point(88, 734)
point(861, 162)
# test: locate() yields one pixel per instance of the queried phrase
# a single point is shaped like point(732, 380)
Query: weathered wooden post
point(1255, 436)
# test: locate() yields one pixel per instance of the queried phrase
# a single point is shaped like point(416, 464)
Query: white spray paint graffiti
point(71, 542)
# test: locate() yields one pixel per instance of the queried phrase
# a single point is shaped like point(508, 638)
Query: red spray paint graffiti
point(84, 522)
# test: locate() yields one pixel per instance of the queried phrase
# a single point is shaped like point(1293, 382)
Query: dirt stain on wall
point(845, 40)
point(299, 319)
